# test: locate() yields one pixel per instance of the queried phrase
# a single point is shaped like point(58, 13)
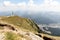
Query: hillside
point(22, 23)
point(18, 28)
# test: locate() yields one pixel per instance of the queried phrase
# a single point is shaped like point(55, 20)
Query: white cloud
point(50, 5)
point(7, 3)
point(47, 5)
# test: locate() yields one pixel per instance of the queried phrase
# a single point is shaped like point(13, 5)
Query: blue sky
point(16, 1)
point(31, 5)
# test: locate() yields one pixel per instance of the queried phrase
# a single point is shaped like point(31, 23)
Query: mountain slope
point(23, 23)
point(18, 28)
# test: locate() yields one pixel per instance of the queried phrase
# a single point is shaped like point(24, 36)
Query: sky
point(31, 5)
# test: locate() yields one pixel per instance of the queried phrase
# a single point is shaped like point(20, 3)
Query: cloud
point(47, 5)
point(7, 3)
point(50, 5)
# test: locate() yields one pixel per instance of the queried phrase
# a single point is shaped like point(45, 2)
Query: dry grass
point(12, 36)
point(22, 23)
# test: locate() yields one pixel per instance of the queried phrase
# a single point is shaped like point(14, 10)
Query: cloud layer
point(47, 5)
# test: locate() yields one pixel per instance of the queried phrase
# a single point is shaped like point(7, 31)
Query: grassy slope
point(22, 23)
point(12, 36)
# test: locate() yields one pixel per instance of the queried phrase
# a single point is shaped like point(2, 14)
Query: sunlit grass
point(23, 23)
point(12, 36)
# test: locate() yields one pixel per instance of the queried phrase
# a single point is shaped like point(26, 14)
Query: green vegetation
point(12, 36)
point(22, 23)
